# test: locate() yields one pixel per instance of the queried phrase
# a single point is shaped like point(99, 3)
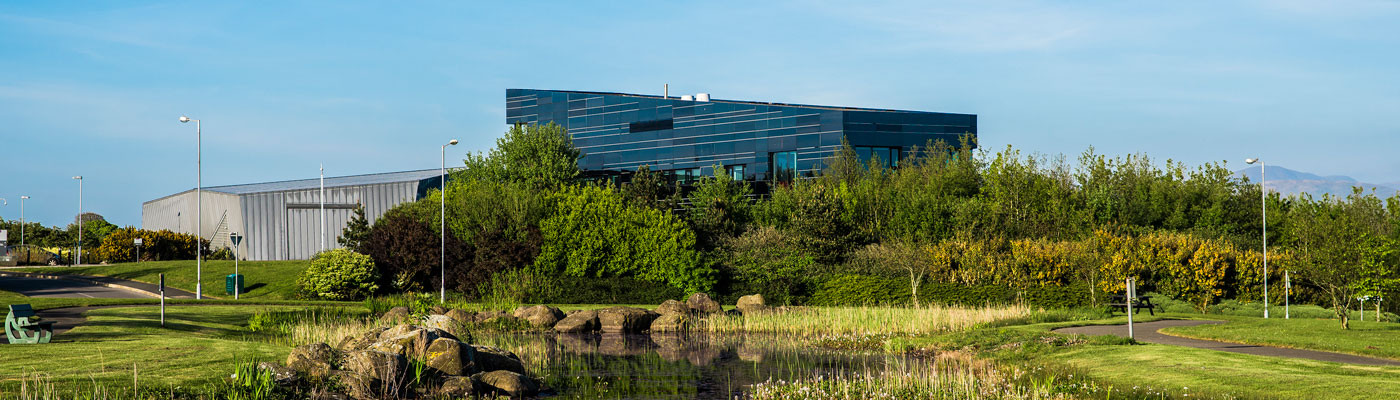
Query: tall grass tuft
point(865, 320)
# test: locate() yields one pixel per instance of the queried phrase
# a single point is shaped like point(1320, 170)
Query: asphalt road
point(38, 287)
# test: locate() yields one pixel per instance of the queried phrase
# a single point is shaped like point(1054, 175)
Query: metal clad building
point(282, 220)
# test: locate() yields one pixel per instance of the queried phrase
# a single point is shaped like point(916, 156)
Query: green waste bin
point(233, 283)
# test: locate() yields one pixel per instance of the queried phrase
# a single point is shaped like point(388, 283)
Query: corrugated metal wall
point(286, 225)
point(176, 213)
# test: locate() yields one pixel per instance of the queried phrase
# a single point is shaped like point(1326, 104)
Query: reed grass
point(821, 321)
point(951, 376)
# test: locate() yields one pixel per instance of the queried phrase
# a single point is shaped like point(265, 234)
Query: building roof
point(713, 100)
point(339, 181)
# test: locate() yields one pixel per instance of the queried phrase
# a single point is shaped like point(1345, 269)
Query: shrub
point(767, 261)
point(593, 232)
point(406, 252)
point(340, 274)
point(159, 245)
point(591, 290)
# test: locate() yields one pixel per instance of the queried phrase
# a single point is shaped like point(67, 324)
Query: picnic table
point(1119, 302)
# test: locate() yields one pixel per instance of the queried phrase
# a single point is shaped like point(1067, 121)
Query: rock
point(383, 367)
point(456, 387)
point(509, 383)
point(282, 376)
point(520, 311)
point(487, 359)
point(438, 310)
point(625, 319)
point(579, 322)
point(701, 303)
point(447, 356)
point(360, 342)
point(750, 304)
point(460, 315)
point(542, 316)
point(672, 307)
point(357, 386)
point(671, 323)
point(408, 340)
point(397, 315)
point(488, 316)
point(316, 359)
point(449, 325)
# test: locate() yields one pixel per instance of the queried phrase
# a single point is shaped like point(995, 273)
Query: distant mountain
point(1290, 182)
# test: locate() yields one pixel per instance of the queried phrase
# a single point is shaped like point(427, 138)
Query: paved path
point(40, 287)
point(84, 284)
point(1147, 332)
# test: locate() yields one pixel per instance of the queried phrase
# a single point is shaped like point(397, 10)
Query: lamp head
point(184, 119)
point(1251, 160)
point(24, 197)
point(452, 142)
point(79, 177)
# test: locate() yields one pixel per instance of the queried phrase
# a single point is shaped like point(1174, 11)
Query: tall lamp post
point(21, 226)
point(442, 222)
point(198, 208)
point(1264, 215)
point(79, 256)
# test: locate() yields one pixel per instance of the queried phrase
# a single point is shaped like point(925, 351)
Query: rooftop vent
point(702, 97)
point(687, 97)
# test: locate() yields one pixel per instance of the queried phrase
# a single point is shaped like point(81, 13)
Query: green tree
point(356, 231)
point(593, 232)
point(719, 208)
point(539, 156)
point(1338, 247)
point(649, 189)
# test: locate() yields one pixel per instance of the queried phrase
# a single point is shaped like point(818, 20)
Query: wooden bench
point(1119, 302)
point(20, 330)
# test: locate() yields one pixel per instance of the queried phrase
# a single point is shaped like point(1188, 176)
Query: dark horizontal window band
point(653, 125)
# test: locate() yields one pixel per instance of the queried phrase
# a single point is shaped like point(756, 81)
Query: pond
point(689, 366)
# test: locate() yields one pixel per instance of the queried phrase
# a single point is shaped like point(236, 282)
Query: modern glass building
point(687, 136)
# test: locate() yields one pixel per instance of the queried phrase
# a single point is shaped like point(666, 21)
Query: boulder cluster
point(397, 360)
point(379, 363)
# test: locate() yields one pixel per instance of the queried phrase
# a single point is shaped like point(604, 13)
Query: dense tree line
point(946, 214)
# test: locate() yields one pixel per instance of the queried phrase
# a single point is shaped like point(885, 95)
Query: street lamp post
point(21, 226)
point(442, 222)
point(1264, 215)
point(79, 256)
point(198, 207)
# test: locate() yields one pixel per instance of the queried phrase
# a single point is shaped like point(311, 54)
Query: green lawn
point(1178, 371)
point(265, 280)
point(1376, 339)
point(198, 346)
point(1182, 370)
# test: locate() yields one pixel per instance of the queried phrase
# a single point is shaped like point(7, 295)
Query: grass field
point(1177, 371)
point(198, 346)
point(262, 280)
point(1188, 371)
point(1375, 339)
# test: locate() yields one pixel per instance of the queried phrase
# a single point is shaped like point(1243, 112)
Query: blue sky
point(94, 89)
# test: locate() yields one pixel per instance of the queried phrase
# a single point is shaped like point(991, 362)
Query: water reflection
point(669, 366)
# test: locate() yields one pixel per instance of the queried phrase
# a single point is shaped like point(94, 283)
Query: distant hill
point(1290, 182)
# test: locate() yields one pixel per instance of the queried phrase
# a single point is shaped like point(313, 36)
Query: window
point(653, 125)
point(736, 171)
point(888, 156)
point(783, 165)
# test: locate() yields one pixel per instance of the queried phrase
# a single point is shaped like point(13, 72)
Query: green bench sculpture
point(18, 327)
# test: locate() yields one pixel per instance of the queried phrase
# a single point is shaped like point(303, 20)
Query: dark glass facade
point(620, 132)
